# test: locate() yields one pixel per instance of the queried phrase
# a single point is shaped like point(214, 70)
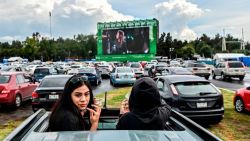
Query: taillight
point(5, 91)
point(174, 89)
point(34, 95)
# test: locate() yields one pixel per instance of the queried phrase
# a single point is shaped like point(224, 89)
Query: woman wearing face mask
point(75, 110)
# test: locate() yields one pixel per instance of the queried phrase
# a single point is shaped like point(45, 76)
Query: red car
point(242, 99)
point(15, 87)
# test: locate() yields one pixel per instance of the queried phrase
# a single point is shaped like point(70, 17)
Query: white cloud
point(9, 38)
point(69, 17)
point(174, 16)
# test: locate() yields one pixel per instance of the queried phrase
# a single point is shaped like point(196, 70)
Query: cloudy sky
point(184, 19)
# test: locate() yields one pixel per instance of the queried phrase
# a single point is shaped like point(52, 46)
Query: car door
point(22, 86)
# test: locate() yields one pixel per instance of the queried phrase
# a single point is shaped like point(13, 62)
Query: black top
point(69, 122)
point(147, 111)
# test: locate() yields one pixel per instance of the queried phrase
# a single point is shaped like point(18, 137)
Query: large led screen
point(126, 41)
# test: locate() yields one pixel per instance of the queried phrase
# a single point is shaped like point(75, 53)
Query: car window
point(54, 82)
point(194, 88)
point(135, 66)
point(160, 85)
point(20, 79)
point(42, 71)
point(4, 79)
point(235, 65)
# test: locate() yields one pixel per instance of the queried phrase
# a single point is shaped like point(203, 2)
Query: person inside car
point(75, 105)
point(145, 109)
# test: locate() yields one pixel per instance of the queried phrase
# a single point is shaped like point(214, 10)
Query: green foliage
point(35, 47)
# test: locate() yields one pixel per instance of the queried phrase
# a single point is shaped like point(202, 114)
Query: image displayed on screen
point(126, 41)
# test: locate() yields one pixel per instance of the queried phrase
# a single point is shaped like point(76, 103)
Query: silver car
point(229, 69)
point(122, 75)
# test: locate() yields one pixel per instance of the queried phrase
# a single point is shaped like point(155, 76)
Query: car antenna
point(105, 101)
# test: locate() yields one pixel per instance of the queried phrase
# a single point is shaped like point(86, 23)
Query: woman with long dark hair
point(75, 110)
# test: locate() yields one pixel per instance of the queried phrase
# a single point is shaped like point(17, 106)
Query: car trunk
point(209, 101)
point(49, 94)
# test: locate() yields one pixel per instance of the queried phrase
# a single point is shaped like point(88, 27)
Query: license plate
point(201, 105)
point(53, 97)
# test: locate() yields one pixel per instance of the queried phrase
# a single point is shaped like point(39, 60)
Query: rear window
point(4, 79)
point(124, 70)
point(135, 66)
point(54, 82)
point(195, 88)
point(196, 65)
point(42, 71)
point(235, 65)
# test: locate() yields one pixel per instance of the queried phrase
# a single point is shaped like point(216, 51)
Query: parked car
point(105, 69)
point(229, 69)
point(178, 128)
point(199, 69)
point(93, 75)
point(15, 88)
point(41, 72)
point(137, 68)
point(122, 75)
point(242, 100)
point(49, 91)
point(192, 96)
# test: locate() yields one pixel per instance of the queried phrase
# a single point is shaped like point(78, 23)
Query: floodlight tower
point(242, 45)
point(224, 41)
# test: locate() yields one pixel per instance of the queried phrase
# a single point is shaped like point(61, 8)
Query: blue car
point(122, 75)
point(94, 76)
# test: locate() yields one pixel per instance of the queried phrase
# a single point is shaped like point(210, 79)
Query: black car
point(192, 96)
point(93, 75)
point(49, 91)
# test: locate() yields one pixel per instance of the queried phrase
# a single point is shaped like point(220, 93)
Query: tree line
point(85, 47)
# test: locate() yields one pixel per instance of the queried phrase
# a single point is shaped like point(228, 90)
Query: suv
point(198, 69)
point(229, 69)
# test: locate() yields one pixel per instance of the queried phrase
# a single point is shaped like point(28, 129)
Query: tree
point(188, 51)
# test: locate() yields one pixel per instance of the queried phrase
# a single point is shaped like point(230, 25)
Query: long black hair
point(65, 106)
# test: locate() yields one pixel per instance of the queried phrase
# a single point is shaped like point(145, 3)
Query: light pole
point(50, 24)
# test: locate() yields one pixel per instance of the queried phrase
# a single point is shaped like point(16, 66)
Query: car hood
point(121, 135)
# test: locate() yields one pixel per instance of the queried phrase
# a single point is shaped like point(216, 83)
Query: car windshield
point(235, 65)
point(194, 88)
point(124, 70)
point(4, 79)
point(54, 82)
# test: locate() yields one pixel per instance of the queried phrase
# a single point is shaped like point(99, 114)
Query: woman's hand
point(124, 107)
point(94, 116)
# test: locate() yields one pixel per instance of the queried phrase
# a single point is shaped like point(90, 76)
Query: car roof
point(11, 73)
point(182, 78)
point(58, 76)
